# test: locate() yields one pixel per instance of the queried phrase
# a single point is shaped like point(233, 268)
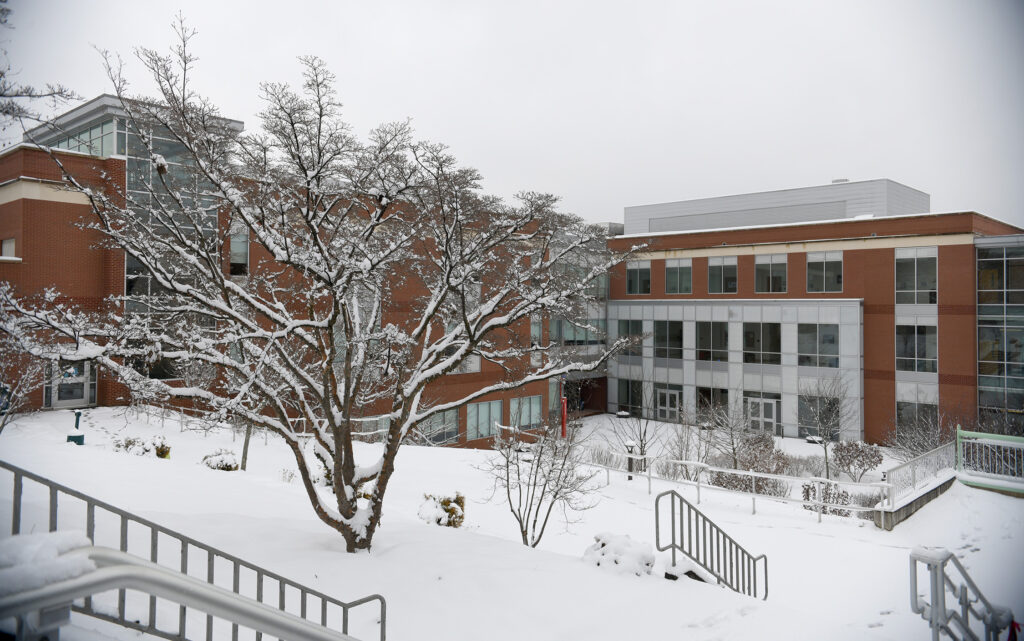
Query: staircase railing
point(707, 545)
point(221, 568)
point(957, 625)
point(50, 603)
point(995, 456)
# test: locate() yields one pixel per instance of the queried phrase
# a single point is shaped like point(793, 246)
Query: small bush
point(866, 500)
point(287, 474)
point(221, 460)
point(805, 465)
point(157, 446)
point(831, 495)
point(621, 554)
point(757, 453)
point(856, 458)
point(445, 510)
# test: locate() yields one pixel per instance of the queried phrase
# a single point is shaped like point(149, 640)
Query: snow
point(31, 561)
point(620, 554)
point(843, 578)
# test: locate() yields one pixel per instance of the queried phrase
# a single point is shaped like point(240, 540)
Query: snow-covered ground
point(843, 578)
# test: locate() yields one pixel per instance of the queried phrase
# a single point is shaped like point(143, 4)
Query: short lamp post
point(76, 436)
point(630, 446)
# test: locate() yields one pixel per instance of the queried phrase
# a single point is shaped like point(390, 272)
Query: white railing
point(700, 477)
point(995, 456)
point(120, 571)
point(918, 472)
point(956, 625)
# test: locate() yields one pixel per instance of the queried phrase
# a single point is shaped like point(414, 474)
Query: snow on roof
point(803, 223)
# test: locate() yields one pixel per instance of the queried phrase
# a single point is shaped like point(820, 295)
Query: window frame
point(663, 333)
point(677, 265)
point(771, 261)
point(714, 352)
point(820, 357)
point(473, 431)
point(921, 341)
point(758, 354)
point(824, 259)
point(515, 415)
point(637, 284)
point(718, 274)
point(915, 256)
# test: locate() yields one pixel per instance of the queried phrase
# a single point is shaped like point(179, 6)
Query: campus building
point(759, 302)
point(753, 302)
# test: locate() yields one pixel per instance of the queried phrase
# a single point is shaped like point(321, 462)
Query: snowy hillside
point(842, 579)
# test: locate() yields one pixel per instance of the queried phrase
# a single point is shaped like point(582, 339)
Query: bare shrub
point(831, 495)
point(756, 453)
point(797, 465)
point(856, 458)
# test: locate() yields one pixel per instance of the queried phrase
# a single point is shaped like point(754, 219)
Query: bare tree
point(856, 458)
point(827, 409)
point(689, 441)
point(20, 375)
point(540, 472)
point(915, 433)
point(637, 433)
point(18, 100)
point(386, 270)
point(729, 430)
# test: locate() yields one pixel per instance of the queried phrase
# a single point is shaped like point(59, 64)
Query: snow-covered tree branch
point(377, 267)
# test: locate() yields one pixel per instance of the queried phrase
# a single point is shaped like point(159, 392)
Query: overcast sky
point(615, 104)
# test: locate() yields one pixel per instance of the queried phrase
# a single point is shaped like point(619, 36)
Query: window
point(722, 275)
point(710, 399)
point(712, 341)
point(917, 348)
point(525, 412)
point(668, 339)
point(7, 247)
point(441, 428)
point(638, 277)
point(568, 333)
point(825, 271)
point(536, 339)
point(632, 329)
point(678, 276)
point(818, 345)
point(770, 273)
point(481, 419)
point(815, 411)
point(240, 254)
point(762, 343)
point(916, 280)
point(916, 413)
point(631, 396)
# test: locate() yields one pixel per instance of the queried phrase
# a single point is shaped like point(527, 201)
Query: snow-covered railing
point(994, 456)
point(906, 478)
point(957, 625)
point(179, 552)
point(700, 477)
point(706, 544)
point(112, 570)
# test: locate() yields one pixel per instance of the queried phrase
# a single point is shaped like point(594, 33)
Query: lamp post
point(565, 406)
point(630, 446)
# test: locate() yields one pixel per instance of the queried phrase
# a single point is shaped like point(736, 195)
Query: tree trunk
point(245, 445)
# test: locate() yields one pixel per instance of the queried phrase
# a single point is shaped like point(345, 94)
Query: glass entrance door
point(668, 405)
point(73, 385)
point(762, 415)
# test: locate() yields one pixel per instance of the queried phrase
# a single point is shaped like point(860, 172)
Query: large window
point(481, 419)
point(710, 399)
point(568, 333)
point(668, 339)
point(632, 329)
point(916, 280)
point(240, 254)
point(631, 396)
point(814, 412)
point(818, 345)
point(762, 343)
point(638, 277)
point(825, 271)
point(525, 412)
point(917, 348)
point(712, 341)
point(441, 428)
point(770, 273)
point(1001, 332)
point(722, 275)
point(678, 276)
point(7, 247)
point(916, 414)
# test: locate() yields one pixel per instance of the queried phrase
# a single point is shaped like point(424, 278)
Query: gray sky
point(616, 104)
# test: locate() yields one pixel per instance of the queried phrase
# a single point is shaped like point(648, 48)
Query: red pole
point(564, 407)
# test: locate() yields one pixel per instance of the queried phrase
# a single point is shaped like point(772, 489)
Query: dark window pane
point(815, 277)
point(729, 279)
point(927, 342)
point(904, 274)
point(834, 276)
point(762, 277)
point(905, 341)
point(751, 337)
point(807, 339)
point(645, 281)
point(990, 274)
point(1015, 274)
point(926, 279)
point(715, 279)
point(685, 280)
point(778, 277)
point(828, 339)
point(771, 337)
point(671, 280)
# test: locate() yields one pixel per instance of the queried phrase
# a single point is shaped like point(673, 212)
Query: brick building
point(745, 301)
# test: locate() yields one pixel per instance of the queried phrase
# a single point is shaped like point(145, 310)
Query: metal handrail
point(121, 571)
point(707, 545)
point(904, 478)
point(306, 594)
point(996, 456)
point(996, 618)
